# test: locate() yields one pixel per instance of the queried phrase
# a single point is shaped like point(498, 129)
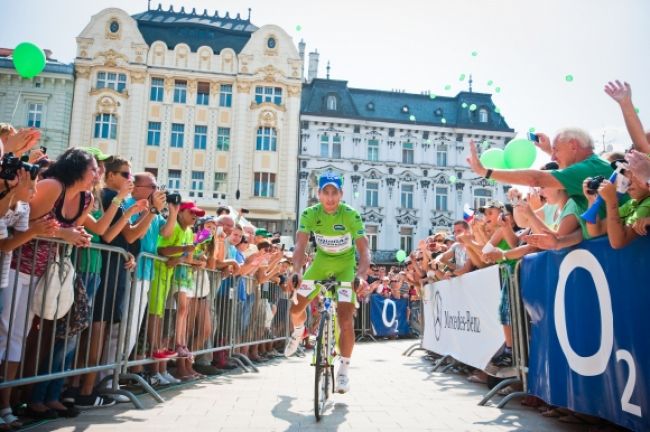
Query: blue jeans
point(63, 355)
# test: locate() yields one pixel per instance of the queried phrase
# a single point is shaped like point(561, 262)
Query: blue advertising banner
point(590, 335)
point(388, 316)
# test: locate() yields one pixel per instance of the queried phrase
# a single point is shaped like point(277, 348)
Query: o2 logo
point(394, 322)
point(596, 363)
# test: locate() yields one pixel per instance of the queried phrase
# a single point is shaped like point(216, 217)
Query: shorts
point(344, 292)
point(325, 267)
point(109, 300)
point(160, 285)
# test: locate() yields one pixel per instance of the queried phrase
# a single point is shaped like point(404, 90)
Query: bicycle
point(327, 339)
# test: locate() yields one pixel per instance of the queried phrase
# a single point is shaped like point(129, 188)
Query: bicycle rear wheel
point(321, 369)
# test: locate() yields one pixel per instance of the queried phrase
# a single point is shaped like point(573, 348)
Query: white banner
point(461, 317)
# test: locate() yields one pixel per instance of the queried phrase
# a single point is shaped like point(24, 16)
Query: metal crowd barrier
point(130, 315)
point(362, 323)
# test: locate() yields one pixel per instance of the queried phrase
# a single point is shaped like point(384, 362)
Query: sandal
point(12, 421)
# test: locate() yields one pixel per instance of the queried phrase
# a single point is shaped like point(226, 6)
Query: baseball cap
point(492, 204)
point(262, 233)
point(97, 153)
point(330, 178)
point(189, 205)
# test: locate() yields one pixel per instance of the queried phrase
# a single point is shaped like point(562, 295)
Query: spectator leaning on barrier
point(639, 166)
point(573, 150)
point(458, 253)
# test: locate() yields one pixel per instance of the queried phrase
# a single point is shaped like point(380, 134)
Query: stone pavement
point(389, 392)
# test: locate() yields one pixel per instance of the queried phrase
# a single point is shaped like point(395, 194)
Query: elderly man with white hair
point(573, 150)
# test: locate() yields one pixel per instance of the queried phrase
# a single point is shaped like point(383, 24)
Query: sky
point(527, 48)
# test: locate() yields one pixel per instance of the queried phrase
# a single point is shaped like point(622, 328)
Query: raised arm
point(622, 94)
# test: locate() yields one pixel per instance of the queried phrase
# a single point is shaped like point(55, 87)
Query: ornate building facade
point(209, 104)
point(402, 156)
point(43, 102)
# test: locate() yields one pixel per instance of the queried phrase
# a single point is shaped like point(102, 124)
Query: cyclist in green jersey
point(338, 231)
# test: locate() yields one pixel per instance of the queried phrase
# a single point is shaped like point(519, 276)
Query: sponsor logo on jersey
point(334, 244)
point(339, 228)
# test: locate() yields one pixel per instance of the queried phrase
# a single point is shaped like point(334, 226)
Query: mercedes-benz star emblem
point(437, 314)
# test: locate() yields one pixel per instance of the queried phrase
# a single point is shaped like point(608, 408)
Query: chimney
point(301, 52)
point(312, 72)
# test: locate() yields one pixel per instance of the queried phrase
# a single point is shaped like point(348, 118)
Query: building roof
point(397, 107)
point(195, 29)
point(51, 65)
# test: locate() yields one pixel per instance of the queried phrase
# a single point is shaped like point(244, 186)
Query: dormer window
point(438, 112)
point(331, 103)
point(482, 115)
point(405, 109)
point(370, 106)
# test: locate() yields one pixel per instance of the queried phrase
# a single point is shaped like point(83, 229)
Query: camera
point(10, 164)
point(275, 241)
point(593, 184)
point(173, 197)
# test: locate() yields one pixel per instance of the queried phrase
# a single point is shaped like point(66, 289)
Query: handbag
point(54, 292)
point(78, 318)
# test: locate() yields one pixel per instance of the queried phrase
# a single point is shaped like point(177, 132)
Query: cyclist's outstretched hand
point(361, 287)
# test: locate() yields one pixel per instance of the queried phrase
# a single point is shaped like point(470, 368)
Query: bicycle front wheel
point(321, 369)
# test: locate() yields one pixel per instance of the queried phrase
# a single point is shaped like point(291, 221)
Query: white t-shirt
point(460, 255)
point(17, 219)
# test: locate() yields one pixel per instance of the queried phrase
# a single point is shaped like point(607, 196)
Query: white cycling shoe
point(294, 342)
point(342, 384)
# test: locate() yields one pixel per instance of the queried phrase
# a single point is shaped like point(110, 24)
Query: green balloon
point(490, 82)
point(519, 154)
point(412, 117)
point(452, 179)
point(472, 107)
point(400, 255)
point(474, 53)
point(497, 89)
point(443, 120)
point(464, 105)
point(461, 77)
point(636, 110)
point(497, 110)
point(448, 87)
point(485, 145)
point(568, 78)
point(531, 130)
point(493, 159)
point(432, 96)
point(29, 60)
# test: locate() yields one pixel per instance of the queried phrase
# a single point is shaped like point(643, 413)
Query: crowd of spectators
point(187, 267)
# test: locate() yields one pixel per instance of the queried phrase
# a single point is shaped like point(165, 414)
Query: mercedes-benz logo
point(437, 314)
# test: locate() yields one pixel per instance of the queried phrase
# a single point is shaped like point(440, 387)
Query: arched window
point(331, 103)
point(482, 115)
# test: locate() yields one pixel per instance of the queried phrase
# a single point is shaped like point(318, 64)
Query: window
point(331, 103)
point(197, 183)
point(200, 137)
point(266, 139)
point(203, 94)
point(481, 197)
point(223, 139)
point(324, 145)
point(157, 89)
point(441, 156)
point(373, 150)
point(407, 196)
point(482, 115)
point(407, 153)
point(357, 129)
point(180, 91)
point(441, 198)
point(153, 134)
point(178, 135)
point(371, 234)
point(111, 80)
point(219, 181)
point(225, 95)
point(264, 185)
point(372, 194)
point(268, 94)
point(34, 115)
point(336, 146)
point(174, 179)
point(105, 126)
point(406, 239)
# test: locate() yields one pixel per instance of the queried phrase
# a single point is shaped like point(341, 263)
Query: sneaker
point(342, 384)
point(92, 401)
point(208, 370)
point(504, 360)
point(120, 398)
point(293, 343)
point(159, 379)
point(164, 354)
point(69, 395)
point(167, 376)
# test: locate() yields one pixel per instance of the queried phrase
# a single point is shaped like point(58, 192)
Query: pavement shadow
point(334, 416)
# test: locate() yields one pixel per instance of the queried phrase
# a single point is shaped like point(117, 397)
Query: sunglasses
point(125, 174)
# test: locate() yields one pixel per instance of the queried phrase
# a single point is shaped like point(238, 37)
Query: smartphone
point(282, 247)
point(533, 137)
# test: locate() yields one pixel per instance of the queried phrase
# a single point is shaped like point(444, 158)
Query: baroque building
point(209, 103)
point(402, 156)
